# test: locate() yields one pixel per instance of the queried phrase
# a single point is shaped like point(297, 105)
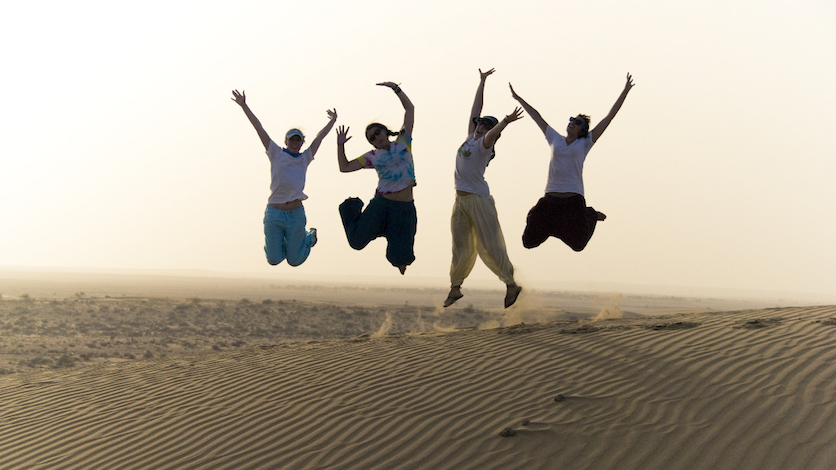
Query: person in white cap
point(285, 236)
point(474, 222)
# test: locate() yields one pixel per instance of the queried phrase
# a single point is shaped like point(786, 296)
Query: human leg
point(578, 223)
point(464, 249)
point(464, 242)
point(536, 225)
point(274, 236)
point(298, 241)
point(401, 224)
point(361, 227)
point(490, 243)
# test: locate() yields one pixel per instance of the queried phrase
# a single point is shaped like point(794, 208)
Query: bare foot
point(601, 216)
point(403, 269)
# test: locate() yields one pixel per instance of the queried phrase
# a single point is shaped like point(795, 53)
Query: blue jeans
point(285, 236)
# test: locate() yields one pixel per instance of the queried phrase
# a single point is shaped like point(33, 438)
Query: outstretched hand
point(342, 135)
point(239, 98)
point(332, 114)
point(391, 85)
point(484, 75)
point(513, 93)
point(517, 114)
point(629, 83)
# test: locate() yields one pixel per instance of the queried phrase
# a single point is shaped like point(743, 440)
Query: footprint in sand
point(534, 425)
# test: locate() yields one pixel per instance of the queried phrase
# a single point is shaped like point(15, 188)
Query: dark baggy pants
point(565, 218)
point(396, 221)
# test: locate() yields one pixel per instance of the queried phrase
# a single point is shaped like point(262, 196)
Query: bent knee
point(357, 245)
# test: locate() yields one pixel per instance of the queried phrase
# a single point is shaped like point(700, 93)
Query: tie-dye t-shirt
point(395, 170)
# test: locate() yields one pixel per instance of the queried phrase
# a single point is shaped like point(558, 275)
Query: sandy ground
point(584, 382)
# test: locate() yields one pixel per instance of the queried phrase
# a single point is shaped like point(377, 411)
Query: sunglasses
point(376, 133)
point(577, 121)
point(485, 122)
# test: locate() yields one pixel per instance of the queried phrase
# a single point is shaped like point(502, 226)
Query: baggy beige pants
point(475, 228)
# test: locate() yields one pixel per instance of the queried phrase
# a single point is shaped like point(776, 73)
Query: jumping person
point(474, 222)
point(391, 213)
point(285, 236)
point(562, 212)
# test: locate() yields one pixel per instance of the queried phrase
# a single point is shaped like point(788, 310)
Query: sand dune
point(752, 389)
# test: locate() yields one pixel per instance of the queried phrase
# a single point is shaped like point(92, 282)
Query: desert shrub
point(65, 361)
point(38, 361)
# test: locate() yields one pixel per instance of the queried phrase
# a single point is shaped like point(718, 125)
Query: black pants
point(397, 221)
point(566, 218)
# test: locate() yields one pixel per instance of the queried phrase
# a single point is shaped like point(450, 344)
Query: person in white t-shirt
point(285, 236)
point(391, 213)
point(562, 213)
point(474, 222)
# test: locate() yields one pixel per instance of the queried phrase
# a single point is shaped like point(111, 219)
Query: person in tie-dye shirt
point(391, 213)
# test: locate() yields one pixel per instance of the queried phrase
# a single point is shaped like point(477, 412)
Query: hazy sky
point(121, 148)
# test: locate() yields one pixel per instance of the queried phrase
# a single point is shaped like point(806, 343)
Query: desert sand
point(152, 382)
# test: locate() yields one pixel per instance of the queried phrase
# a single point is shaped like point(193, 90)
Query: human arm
point(332, 116)
point(491, 135)
point(476, 111)
point(541, 123)
point(602, 126)
point(241, 100)
point(345, 165)
point(409, 109)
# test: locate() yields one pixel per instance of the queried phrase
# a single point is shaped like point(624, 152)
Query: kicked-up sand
point(753, 389)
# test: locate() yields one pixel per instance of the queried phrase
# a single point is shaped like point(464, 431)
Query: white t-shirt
point(287, 174)
point(566, 166)
point(471, 161)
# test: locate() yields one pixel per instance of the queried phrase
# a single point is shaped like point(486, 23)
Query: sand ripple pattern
point(692, 391)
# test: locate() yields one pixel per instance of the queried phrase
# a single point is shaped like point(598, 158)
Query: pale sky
point(121, 148)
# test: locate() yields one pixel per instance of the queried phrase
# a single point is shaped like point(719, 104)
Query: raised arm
point(345, 165)
point(409, 109)
point(476, 111)
point(602, 126)
point(332, 116)
point(541, 123)
point(241, 99)
point(491, 135)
